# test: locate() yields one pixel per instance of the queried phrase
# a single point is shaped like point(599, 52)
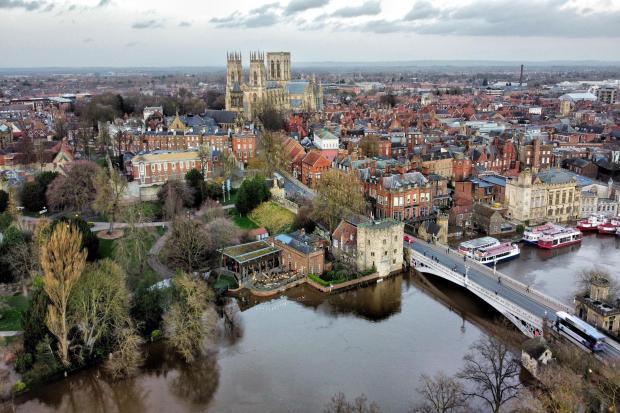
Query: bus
point(579, 330)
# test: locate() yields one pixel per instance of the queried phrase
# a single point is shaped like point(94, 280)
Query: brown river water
point(297, 350)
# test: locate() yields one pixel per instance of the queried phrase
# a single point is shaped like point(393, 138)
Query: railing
point(482, 292)
point(514, 284)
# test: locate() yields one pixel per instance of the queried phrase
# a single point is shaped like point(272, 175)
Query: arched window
point(255, 78)
point(278, 69)
point(273, 72)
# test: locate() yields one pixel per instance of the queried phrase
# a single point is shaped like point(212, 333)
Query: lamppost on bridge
point(466, 272)
point(494, 266)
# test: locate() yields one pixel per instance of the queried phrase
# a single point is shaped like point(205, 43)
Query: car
point(408, 239)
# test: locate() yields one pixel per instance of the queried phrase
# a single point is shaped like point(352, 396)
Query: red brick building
point(301, 252)
point(244, 147)
point(158, 167)
point(402, 197)
point(313, 165)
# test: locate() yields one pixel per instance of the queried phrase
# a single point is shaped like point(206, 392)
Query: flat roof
point(250, 251)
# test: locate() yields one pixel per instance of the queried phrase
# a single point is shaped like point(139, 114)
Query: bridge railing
point(489, 296)
point(514, 284)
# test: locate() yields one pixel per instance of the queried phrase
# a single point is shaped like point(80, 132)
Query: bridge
point(525, 307)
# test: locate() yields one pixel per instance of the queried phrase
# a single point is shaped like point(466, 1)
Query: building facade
point(157, 167)
point(270, 84)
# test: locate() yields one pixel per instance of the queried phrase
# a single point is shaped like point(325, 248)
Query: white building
point(325, 140)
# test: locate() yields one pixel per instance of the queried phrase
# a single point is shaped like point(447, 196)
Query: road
point(293, 187)
point(507, 288)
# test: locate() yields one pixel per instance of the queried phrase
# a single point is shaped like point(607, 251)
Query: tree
point(89, 240)
point(32, 196)
point(132, 250)
point(125, 360)
point(184, 323)
point(196, 182)
point(303, 219)
point(4, 200)
point(189, 245)
point(76, 191)
point(204, 154)
point(22, 262)
point(493, 372)
point(440, 394)
point(228, 163)
point(252, 193)
point(338, 195)
point(389, 99)
point(564, 390)
point(148, 305)
point(271, 152)
point(369, 145)
point(99, 303)
point(175, 195)
point(62, 261)
point(33, 320)
point(340, 404)
point(271, 118)
point(110, 187)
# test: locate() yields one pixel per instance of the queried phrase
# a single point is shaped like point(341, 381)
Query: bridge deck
point(509, 289)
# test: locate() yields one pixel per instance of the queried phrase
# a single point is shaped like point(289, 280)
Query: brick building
point(401, 197)
point(301, 252)
point(244, 147)
point(536, 155)
point(157, 167)
point(313, 165)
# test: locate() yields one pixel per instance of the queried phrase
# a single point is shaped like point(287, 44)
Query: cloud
point(422, 9)
point(263, 16)
point(104, 3)
point(369, 8)
point(88, 40)
point(502, 18)
point(22, 4)
point(297, 6)
point(185, 24)
point(132, 44)
point(148, 24)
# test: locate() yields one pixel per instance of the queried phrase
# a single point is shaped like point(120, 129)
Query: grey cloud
point(88, 40)
point(104, 3)
point(185, 24)
point(148, 24)
point(22, 4)
point(132, 44)
point(263, 16)
point(369, 8)
point(297, 6)
point(422, 9)
point(502, 18)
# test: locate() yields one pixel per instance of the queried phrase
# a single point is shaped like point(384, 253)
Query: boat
point(610, 226)
point(560, 237)
point(496, 253)
point(591, 223)
point(468, 247)
point(531, 235)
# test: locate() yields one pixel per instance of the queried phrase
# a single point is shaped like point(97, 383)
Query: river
point(297, 350)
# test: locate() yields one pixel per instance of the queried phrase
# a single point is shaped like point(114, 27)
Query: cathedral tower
point(258, 77)
point(279, 66)
point(234, 82)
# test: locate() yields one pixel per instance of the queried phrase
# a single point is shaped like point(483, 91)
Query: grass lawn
point(242, 222)
point(273, 217)
point(12, 313)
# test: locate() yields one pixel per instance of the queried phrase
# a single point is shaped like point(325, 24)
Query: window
point(372, 254)
point(384, 242)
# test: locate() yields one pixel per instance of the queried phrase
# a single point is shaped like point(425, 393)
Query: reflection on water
point(556, 272)
point(296, 351)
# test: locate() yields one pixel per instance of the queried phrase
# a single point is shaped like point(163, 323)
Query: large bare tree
point(492, 371)
point(110, 186)
point(338, 195)
point(440, 394)
point(62, 261)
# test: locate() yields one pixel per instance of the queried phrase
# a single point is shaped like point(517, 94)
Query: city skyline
point(190, 33)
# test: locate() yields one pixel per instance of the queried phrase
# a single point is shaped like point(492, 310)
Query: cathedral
point(270, 84)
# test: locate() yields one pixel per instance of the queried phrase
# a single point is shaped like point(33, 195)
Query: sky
point(164, 33)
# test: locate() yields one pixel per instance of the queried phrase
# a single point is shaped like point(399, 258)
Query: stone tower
point(564, 107)
point(234, 82)
point(258, 78)
point(599, 288)
point(279, 66)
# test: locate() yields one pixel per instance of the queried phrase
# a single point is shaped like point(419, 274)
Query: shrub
point(156, 335)
point(5, 220)
point(19, 386)
point(4, 200)
point(23, 362)
point(32, 196)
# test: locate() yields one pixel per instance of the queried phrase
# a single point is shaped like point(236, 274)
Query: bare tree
point(340, 404)
point(440, 394)
point(338, 194)
point(189, 245)
point(128, 356)
point(110, 186)
point(563, 390)
point(271, 152)
point(492, 370)
point(62, 260)
point(22, 260)
point(595, 274)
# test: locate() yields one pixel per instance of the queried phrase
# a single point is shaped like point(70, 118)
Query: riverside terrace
point(250, 259)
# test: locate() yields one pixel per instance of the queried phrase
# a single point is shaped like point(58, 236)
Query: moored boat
point(609, 226)
point(496, 253)
point(531, 235)
point(469, 247)
point(591, 223)
point(561, 237)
